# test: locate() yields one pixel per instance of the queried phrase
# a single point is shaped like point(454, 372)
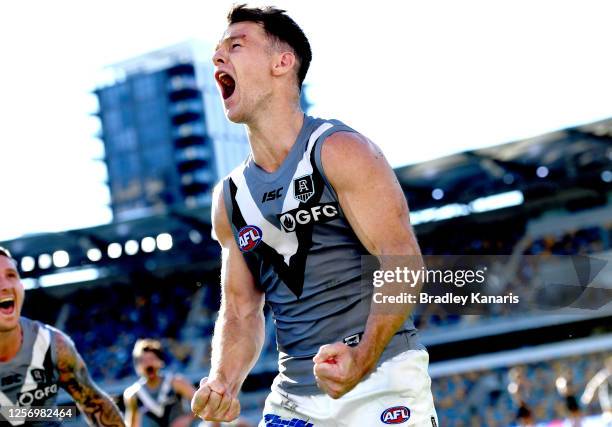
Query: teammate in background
point(600, 384)
point(36, 359)
point(294, 221)
point(155, 400)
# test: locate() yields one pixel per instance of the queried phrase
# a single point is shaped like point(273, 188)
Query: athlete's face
point(243, 63)
point(148, 365)
point(11, 295)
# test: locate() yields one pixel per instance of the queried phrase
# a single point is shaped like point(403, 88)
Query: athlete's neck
point(10, 343)
point(153, 382)
point(272, 136)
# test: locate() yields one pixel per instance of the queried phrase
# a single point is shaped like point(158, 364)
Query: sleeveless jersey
point(31, 377)
point(304, 255)
point(157, 407)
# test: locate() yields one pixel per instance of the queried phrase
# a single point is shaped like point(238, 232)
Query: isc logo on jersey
point(290, 220)
point(395, 415)
point(249, 237)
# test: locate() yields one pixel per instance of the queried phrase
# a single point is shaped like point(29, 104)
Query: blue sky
point(421, 79)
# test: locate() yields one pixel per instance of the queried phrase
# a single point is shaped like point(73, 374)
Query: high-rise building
point(166, 138)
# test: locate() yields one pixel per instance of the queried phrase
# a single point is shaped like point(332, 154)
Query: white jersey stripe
point(285, 244)
point(304, 167)
point(39, 351)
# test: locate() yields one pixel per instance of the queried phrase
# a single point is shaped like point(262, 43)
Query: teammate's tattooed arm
point(376, 209)
point(96, 406)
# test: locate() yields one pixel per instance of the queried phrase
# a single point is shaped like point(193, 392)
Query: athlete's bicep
point(369, 194)
point(74, 378)
point(240, 294)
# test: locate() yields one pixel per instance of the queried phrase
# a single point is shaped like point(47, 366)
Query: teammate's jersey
point(305, 256)
point(158, 406)
point(31, 377)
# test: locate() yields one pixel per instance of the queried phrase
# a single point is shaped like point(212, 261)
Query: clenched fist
point(338, 368)
point(213, 402)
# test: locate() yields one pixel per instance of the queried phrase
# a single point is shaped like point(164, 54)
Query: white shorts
point(398, 392)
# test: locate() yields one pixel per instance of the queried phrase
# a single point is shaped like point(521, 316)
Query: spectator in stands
point(600, 384)
point(520, 390)
point(567, 390)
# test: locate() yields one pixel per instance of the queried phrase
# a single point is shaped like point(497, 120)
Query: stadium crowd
point(482, 398)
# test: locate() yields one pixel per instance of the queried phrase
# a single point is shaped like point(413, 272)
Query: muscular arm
point(239, 330)
point(376, 208)
point(97, 407)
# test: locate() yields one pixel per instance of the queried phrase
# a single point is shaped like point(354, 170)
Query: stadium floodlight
point(67, 277)
point(606, 176)
point(29, 283)
point(164, 241)
point(94, 254)
point(61, 259)
point(437, 194)
point(27, 263)
point(497, 201)
point(195, 236)
point(542, 171)
point(131, 247)
point(114, 250)
point(148, 244)
point(44, 261)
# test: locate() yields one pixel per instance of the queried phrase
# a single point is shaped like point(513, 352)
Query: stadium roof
point(575, 157)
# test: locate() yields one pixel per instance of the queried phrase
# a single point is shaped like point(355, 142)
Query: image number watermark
point(20, 414)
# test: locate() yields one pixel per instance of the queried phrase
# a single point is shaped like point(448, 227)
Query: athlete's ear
point(284, 63)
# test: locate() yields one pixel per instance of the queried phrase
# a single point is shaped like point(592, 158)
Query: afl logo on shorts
point(303, 188)
point(395, 415)
point(249, 237)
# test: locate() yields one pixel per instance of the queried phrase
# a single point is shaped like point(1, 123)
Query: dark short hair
point(280, 26)
point(147, 344)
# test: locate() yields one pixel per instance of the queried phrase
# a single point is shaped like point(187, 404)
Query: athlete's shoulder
point(35, 326)
point(344, 152)
point(345, 146)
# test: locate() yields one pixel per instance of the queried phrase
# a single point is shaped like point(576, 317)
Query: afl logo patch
point(303, 188)
point(249, 237)
point(395, 415)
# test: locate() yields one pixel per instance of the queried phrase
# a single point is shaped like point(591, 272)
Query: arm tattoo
point(97, 407)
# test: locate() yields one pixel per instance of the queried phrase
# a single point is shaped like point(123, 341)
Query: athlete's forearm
point(237, 343)
point(101, 411)
point(96, 406)
point(386, 319)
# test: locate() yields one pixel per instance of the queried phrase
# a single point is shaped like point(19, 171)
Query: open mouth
point(226, 83)
point(7, 305)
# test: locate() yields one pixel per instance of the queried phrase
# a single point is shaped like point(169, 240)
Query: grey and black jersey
point(31, 377)
point(304, 255)
point(158, 406)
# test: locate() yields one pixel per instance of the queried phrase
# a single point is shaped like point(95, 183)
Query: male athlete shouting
point(36, 358)
point(293, 222)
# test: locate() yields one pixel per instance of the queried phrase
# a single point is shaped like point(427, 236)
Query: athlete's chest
point(282, 211)
point(26, 385)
